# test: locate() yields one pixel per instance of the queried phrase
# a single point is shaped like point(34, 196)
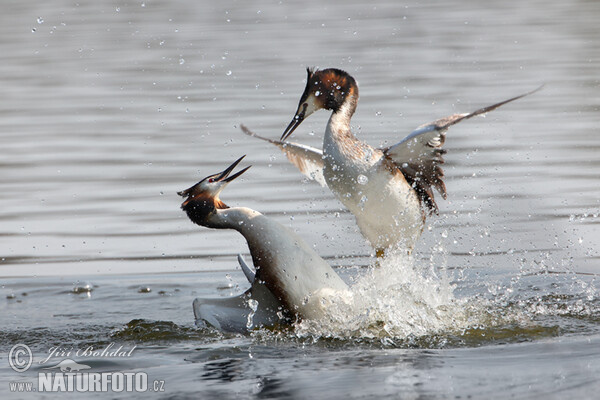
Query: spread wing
point(420, 154)
point(308, 160)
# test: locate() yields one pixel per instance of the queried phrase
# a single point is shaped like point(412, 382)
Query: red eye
point(211, 180)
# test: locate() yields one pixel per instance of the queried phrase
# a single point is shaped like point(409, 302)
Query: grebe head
point(202, 199)
point(328, 89)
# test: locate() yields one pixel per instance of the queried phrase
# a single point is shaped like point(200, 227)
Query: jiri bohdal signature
point(109, 351)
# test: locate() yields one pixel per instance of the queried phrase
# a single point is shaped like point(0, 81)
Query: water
point(110, 108)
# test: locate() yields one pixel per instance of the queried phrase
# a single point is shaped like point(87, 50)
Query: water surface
point(110, 108)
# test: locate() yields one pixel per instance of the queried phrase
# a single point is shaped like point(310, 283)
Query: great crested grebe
point(389, 190)
point(290, 279)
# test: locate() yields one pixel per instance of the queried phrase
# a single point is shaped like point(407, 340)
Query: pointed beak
point(298, 118)
point(224, 177)
point(221, 177)
point(232, 177)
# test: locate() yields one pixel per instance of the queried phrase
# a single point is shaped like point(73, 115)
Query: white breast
point(387, 210)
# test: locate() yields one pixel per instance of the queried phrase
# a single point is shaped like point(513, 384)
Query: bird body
point(387, 210)
point(284, 262)
point(389, 190)
point(290, 276)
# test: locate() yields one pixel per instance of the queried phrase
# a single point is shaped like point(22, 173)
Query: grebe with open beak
point(389, 190)
point(291, 281)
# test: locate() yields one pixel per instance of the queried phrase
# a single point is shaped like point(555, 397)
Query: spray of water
point(398, 299)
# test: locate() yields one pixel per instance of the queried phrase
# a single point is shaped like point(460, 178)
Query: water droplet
point(253, 304)
point(181, 61)
point(362, 180)
point(85, 289)
point(229, 73)
point(362, 202)
point(40, 20)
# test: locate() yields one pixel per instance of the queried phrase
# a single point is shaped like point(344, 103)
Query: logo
point(69, 375)
point(20, 357)
point(69, 365)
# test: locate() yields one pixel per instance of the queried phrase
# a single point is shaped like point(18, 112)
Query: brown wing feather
point(307, 159)
point(419, 156)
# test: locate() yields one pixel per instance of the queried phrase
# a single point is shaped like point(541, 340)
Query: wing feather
point(420, 154)
point(307, 159)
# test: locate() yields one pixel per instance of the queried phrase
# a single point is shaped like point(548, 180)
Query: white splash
point(395, 299)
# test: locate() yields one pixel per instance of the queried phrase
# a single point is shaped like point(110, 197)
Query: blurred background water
point(109, 108)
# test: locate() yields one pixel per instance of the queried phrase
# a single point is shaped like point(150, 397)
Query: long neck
point(339, 141)
point(340, 118)
point(238, 218)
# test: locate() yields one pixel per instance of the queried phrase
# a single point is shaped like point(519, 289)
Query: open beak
point(298, 118)
point(224, 177)
point(220, 177)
